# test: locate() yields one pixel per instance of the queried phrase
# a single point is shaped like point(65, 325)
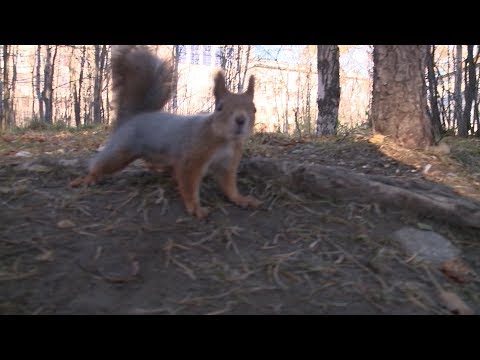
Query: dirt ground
point(126, 245)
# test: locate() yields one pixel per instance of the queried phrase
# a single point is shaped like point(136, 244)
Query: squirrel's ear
point(220, 90)
point(251, 86)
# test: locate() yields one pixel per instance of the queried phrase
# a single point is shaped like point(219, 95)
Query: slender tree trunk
point(7, 110)
point(476, 110)
point(38, 80)
point(307, 117)
point(12, 119)
point(78, 93)
point(399, 101)
point(243, 59)
point(450, 118)
point(227, 54)
point(34, 116)
point(462, 126)
point(328, 99)
point(100, 54)
point(176, 60)
point(433, 92)
point(48, 73)
point(470, 85)
point(106, 105)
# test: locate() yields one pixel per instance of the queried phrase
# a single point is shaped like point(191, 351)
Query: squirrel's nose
point(240, 119)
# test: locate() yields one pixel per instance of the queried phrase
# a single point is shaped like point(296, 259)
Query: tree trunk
point(176, 60)
point(100, 54)
point(476, 110)
point(7, 110)
point(48, 73)
point(227, 58)
point(38, 79)
point(328, 99)
point(399, 100)
point(470, 86)
point(462, 126)
point(106, 104)
point(12, 119)
point(433, 92)
point(77, 94)
point(242, 65)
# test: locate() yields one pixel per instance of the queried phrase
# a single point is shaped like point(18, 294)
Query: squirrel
point(189, 145)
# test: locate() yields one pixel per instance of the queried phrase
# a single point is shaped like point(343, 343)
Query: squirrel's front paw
point(86, 180)
point(199, 211)
point(247, 201)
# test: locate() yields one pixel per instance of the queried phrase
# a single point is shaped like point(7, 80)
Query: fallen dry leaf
point(377, 139)
point(456, 269)
point(65, 224)
point(454, 304)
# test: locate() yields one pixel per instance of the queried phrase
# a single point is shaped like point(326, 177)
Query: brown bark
point(399, 100)
point(328, 99)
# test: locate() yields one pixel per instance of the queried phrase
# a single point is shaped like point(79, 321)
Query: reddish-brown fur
point(217, 142)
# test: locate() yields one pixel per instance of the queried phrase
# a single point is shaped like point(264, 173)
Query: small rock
point(425, 245)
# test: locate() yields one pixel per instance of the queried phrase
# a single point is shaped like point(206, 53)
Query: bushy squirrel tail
point(141, 81)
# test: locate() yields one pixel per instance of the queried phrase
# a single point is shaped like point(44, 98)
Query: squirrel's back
point(141, 81)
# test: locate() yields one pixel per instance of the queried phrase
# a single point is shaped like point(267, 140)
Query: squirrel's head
point(234, 115)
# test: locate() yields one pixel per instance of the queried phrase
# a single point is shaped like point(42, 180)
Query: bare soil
point(126, 245)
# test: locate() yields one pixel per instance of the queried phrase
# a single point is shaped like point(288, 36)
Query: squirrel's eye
point(219, 106)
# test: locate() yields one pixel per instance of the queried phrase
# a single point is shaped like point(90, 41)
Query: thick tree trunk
point(328, 99)
point(399, 101)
